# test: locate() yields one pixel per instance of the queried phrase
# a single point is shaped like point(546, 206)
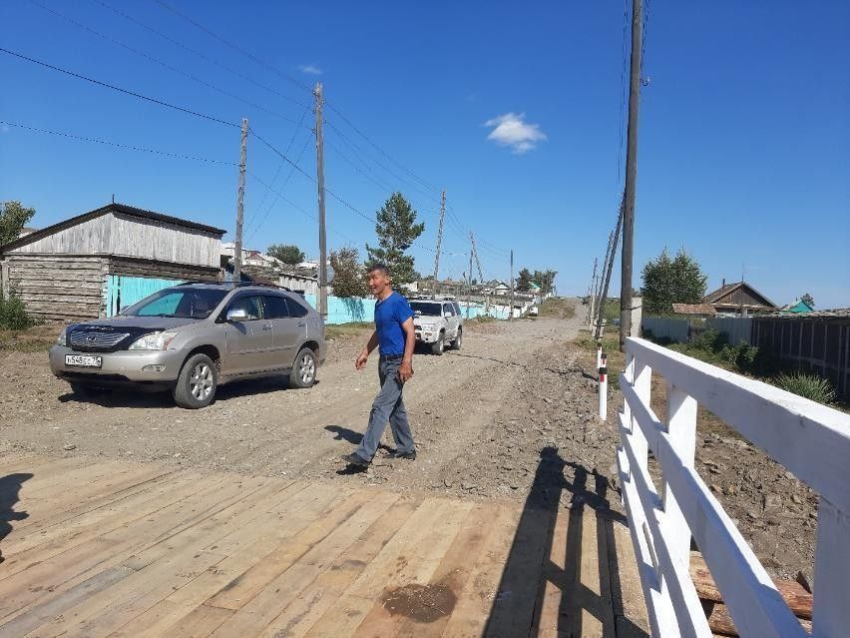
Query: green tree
point(289, 254)
point(524, 281)
point(397, 230)
point(808, 299)
point(13, 218)
point(667, 281)
point(349, 274)
point(545, 279)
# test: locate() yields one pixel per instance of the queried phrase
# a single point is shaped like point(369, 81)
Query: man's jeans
point(388, 406)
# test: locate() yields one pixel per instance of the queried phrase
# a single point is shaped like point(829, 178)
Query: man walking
point(395, 339)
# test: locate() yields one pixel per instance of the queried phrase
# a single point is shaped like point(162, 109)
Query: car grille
point(96, 341)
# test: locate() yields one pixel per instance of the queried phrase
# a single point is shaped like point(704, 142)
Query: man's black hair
point(379, 266)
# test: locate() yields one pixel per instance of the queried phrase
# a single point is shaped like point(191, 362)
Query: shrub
point(809, 386)
point(13, 313)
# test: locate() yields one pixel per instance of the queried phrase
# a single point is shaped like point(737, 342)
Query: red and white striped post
point(603, 388)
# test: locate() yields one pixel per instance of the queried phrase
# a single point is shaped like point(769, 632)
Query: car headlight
point(62, 339)
point(154, 341)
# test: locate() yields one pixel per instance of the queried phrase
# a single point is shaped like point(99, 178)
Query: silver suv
point(192, 338)
point(438, 323)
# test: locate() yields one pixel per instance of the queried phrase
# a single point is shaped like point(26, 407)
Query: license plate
point(83, 361)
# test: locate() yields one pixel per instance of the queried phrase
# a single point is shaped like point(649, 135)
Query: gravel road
point(512, 416)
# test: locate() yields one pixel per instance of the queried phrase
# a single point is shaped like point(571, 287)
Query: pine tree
point(397, 230)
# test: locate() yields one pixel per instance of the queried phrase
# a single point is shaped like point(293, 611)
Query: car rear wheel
point(197, 383)
point(303, 373)
point(439, 345)
point(458, 342)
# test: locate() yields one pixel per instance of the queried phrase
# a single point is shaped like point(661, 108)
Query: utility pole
point(631, 175)
point(469, 278)
point(322, 302)
point(480, 272)
point(439, 242)
point(606, 280)
point(592, 300)
point(511, 314)
point(240, 204)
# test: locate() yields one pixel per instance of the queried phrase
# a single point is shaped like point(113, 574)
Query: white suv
point(438, 323)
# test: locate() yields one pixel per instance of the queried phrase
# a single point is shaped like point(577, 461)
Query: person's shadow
point(10, 488)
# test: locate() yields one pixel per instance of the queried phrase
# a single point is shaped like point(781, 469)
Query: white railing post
point(603, 389)
point(831, 613)
point(682, 430)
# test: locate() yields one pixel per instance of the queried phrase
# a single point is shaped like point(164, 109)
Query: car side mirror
point(235, 315)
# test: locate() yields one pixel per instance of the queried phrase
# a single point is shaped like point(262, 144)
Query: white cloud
point(512, 130)
point(310, 69)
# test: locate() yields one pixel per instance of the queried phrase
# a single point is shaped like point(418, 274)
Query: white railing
point(810, 440)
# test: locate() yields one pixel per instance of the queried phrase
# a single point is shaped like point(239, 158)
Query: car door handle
point(268, 326)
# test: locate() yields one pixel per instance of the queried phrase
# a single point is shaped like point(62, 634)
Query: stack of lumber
point(797, 597)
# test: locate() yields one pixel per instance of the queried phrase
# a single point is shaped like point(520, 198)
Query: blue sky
point(517, 111)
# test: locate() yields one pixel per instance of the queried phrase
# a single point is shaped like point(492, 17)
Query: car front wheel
point(303, 373)
point(439, 345)
point(197, 383)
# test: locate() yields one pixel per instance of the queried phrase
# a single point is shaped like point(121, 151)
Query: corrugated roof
point(123, 209)
point(694, 309)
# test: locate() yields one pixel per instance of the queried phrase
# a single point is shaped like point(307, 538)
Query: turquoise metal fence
point(122, 292)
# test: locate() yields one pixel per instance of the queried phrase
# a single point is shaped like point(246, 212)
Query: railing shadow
point(10, 489)
point(534, 576)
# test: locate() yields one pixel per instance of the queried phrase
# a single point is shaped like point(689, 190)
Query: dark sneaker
point(410, 456)
point(354, 459)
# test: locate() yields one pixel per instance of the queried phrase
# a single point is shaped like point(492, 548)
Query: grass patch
point(35, 339)
point(558, 307)
point(347, 330)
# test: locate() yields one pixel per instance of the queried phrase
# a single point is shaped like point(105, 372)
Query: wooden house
point(94, 264)
point(739, 299)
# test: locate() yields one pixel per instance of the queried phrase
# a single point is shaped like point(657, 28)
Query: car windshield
point(188, 303)
point(427, 309)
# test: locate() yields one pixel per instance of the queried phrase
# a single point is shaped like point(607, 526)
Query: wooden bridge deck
point(111, 548)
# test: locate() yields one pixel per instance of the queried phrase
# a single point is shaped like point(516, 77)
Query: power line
point(119, 89)
point(233, 46)
point(163, 64)
point(203, 56)
point(278, 196)
point(128, 147)
point(288, 148)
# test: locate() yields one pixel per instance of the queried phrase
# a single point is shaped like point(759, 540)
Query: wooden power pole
point(439, 242)
point(469, 277)
point(511, 314)
point(592, 301)
point(240, 204)
point(631, 175)
point(322, 303)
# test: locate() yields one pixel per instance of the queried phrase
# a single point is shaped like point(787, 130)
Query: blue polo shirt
point(390, 314)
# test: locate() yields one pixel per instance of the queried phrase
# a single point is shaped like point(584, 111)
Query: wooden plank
point(201, 622)
point(261, 610)
point(628, 605)
point(407, 589)
point(795, 596)
point(117, 515)
point(60, 510)
point(521, 587)
point(65, 565)
point(244, 548)
point(239, 592)
point(477, 599)
point(397, 564)
point(50, 609)
point(297, 618)
point(721, 622)
point(164, 567)
point(557, 580)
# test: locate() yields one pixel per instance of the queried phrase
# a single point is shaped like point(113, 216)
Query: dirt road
point(481, 416)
